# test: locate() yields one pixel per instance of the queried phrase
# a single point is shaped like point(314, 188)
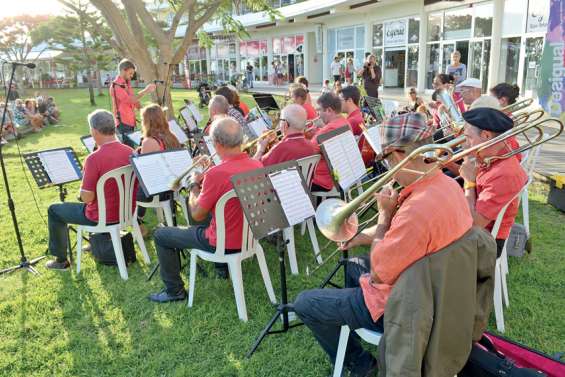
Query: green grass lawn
point(95, 324)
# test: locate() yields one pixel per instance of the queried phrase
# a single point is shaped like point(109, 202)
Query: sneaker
point(163, 296)
point(56, 265)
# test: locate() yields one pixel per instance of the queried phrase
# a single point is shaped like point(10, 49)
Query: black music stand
point(42, 179)
point(265, 215)
point(89, 143)
point(266, 102)
point(374, 107)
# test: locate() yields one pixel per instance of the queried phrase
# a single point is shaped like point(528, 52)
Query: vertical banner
point(552, 90)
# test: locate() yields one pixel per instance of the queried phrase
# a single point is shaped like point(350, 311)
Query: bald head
point(218, 106)
point(227, 132)
point(295, 117)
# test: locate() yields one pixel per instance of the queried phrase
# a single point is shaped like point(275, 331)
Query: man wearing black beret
point(488, 188)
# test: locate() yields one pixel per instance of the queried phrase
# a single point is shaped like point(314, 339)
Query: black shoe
point(56, 265)
point(371, 372)
point(163, 296)
point(222, 272)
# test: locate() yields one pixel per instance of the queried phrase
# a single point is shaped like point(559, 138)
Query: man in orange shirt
point(428, 215)
point(489, 188)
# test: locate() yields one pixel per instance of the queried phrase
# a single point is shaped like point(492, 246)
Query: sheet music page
point(187, 116)
point(154, 172)
point(58, 166)
point(258, 126)
point(210, 145)
point(295, 202)
point(195, 112)
point(89, 143)
point(177, 131)
point(177, 161)
point(135, 137)
point(373, 136)
point(345, 158)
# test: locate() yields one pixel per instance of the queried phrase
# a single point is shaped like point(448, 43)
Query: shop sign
point(538, 14)
point(395, 33)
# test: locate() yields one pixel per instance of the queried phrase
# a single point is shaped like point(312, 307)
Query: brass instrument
point(271, 133)
point(453, 119)
point(517, 106)
point(177, 183)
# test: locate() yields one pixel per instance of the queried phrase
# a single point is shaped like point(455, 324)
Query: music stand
point(89, 143)
point(263, 209)
point(375, 108)
point(266, 101)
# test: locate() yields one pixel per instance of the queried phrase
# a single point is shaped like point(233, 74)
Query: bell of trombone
point(455, 116)
point(333, 227)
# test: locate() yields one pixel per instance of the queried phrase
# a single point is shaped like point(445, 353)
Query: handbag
point(103, 249)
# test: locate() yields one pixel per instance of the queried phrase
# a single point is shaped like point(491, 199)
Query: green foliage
point(15, 35)
point(95, 324)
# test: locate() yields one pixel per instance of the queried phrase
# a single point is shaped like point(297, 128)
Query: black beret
point(488, 119)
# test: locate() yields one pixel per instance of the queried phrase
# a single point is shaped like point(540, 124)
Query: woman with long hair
point(505, 93)
point(157, 137)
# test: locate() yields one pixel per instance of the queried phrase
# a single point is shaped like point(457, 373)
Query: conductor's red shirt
point(215, 184)
point(290, 148)
point(123, 101)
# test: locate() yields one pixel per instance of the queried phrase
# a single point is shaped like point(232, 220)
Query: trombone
point(177, 183)
point(247, 146)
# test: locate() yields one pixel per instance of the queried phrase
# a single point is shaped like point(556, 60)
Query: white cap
point(472, 83)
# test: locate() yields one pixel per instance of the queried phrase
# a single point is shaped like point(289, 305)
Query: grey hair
point(227, 132)
point(219, 104)
point(295, 116)
point(102, 121)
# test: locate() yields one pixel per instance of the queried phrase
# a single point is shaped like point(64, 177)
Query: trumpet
point(200, 160)
point(247, 146)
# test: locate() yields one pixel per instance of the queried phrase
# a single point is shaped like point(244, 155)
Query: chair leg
point(192, 277)
point(314, 240)
point(303, 228)
point(159, 213)
point(288, 234)
point(526, 211)
point(504, 272)
point(498, 309)
point(237, 282)
point(265, 273)
point(341, 349)
point(139, 240)
point(182, 202)
point(79, 248)
point(168, 214)
point(119, 253)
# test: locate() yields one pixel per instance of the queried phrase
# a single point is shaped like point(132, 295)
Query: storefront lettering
point(395, 33)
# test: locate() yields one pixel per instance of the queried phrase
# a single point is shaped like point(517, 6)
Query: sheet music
point(195, 112)
point(135, 137)
point(187, 116)
point(58, 166)
point(178, 161)
point(177, 131)
point(210, 145)
point(258, 126)
point(294, 200)
point(345, 159)
point(89, 143)
point(373, 136)
point(157, 171)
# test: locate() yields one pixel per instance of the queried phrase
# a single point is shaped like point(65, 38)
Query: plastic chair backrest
point(498, 221)
point(530, 159)
point(124, 178)
point(389, 106)
point(308, 166)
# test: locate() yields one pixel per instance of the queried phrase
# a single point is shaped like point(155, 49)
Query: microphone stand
point(24, 262)
point(165, 85)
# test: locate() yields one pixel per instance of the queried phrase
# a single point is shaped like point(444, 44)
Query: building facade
point(499, 40)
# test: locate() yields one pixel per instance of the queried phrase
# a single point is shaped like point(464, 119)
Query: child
point(326, 87)
point(337, 87)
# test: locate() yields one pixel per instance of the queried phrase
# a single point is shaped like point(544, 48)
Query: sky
point(31, 7)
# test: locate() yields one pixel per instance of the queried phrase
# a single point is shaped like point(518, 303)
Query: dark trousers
point(324, 311)
point(168, 242)
point(499, 247)
point(58, 217)
point(123, 131)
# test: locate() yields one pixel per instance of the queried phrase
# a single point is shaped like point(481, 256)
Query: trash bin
point(556, 195)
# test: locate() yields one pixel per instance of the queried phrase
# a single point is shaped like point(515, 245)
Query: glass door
point(534, 48)
point(510, 60)
point(432, 62)
point(412, 67)
point(447, 49)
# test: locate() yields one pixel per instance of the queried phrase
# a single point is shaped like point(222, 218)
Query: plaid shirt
point(405, 129)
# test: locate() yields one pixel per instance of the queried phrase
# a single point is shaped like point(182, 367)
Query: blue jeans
point(249, 77)
point(58, 217)
point(324, 311)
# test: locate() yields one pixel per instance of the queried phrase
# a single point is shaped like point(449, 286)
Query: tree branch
point(178, 16)
point(156, 31)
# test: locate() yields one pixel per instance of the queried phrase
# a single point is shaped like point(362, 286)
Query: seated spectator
point(9, 130)
point(35, 119)
point(337, 87)
point(20, 119)
point(53, 112)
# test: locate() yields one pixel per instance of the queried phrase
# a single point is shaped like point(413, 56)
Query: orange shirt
point(124, 102)
point(433, 213)
point(496, 186)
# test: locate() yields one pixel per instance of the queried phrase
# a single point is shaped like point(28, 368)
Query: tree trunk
point(98, 84)
point(90, 87)
point(150, 72)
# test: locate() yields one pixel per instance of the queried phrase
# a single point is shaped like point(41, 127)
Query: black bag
point(103, 250)
point(517, 241)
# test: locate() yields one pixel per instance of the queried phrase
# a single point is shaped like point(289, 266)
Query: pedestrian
point(349, 71)
point(336, 69)
point(249, 74)
point(372, 75)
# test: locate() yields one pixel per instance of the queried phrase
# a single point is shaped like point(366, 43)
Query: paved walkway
point(550, 162)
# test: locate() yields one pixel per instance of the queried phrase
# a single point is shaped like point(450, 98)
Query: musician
point(157, 137)
point(489, 188)
point(350, 97)
point(110, 155)
point(429, 214)
point(125, 101)
point(329, 107)
point(209, 187)
point(505, 93)
point(217, 108)
point(470, 90)
point(294, 145)
point(300, 96)
point(233, 111)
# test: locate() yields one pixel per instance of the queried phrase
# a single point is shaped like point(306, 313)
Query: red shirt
point(124, 99)
point(310, 111)
point(243, 106)
point(108, 157)
point(433, 213)
point(291, 147)
point(355, 119)
point(496, 186)
point(322, 176)
point(215, 184)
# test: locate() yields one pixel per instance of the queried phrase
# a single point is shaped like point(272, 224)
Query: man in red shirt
point(350, 97)
point(428, 215)
point(329, 108)
point(125, 101)
point(294, 145)
point(489, 188)
point(227, 136)
point(299, 96)
point(109, 155)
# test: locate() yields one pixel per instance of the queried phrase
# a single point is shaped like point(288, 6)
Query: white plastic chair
point(389, 106)
point(307, 166)
point(249, 248)
point(369, 336)
point(124, 178)
point(161, 207)
point(528, 163)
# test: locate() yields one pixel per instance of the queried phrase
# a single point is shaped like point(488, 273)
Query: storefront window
point(534, 48)
point(378, 35)
point(412, 67)
point(413, 30)
point(434, 27)
point(345, 39)
point(513, 20)
point(288, 51)
point(432, 61)
point(346, 42)
point(457, 24)
point(483, 20)
point(509, 60)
